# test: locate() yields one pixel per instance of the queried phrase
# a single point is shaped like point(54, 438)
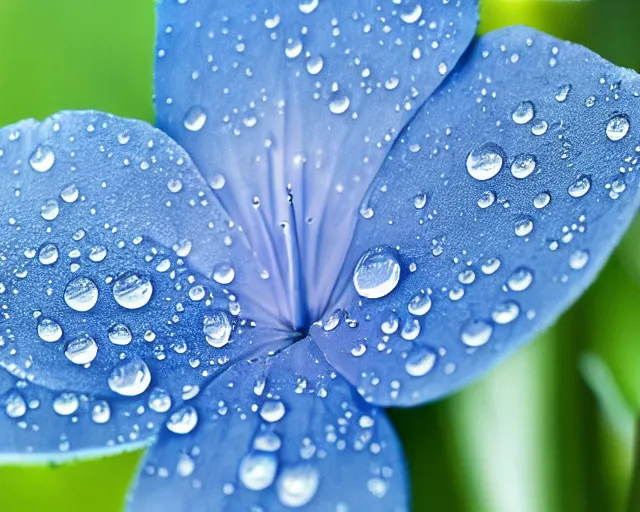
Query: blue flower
point(343, 208)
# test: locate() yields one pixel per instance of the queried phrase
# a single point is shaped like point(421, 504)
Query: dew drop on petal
point(272, 411)
point(120, 334)
point(42, 159)
point(523, 166)
point(81, 294)
point(257, 470)
point(159, 400)
point(420, 361)
point(308, 6)
point(476, 333)
point(485, 161)
point(377, 273)
point(339, 104)
point(490, 266)
point(541, 200)
point(224, 273)
point(50, 209)
point(66, 404)
point(578, 259)
point(523, 113)
point(618, 127)
point(183, 421)
point(48, 254)
point(49, 330)
point(580, 187)
point(523, 227)
point(413, 15)
point(15, 406)
point(520, 279)
point(505, 312)
point(100, 412)
point(132, 290)
point(194, 119)
point(419, 305)
point(217, 329)
point(131, 378)
point(82, 350)
point(297, 485)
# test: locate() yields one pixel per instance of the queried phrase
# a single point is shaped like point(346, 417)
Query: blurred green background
point(550, 430)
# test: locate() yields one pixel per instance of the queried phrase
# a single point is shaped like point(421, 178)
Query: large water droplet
point(485, 161)
point(81, 294)
point(217, 329)
point(578, 259)
point(523, 113)
point(618, 127)
point(132, 290)
point(339, 104)
point(420, 361)
point(297, 485)
point(131, 378)
point(82, 350)
point(42, 159)
point(377, 273)
point(49, 330)
point(194, 119)
point(257, 470)
point(224, 273)
point(476, 333)
point(183, 421)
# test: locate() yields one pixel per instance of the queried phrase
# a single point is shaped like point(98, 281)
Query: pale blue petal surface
point(114, 261)
point(277, 434)
point(307, 93)
point(499, 203)
point(38, 425)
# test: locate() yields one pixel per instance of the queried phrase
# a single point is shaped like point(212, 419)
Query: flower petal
point(108, 236)
point(308, 93)
point(496, 208)
point(277, 434)
point(38, 425)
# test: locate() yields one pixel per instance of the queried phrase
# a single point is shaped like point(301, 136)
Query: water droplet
point(217, 329)
point(315, 65)
point(120, 334)
point(307, 6)
point(297, 485)
point(50, 209)
point(618, 127)
point(82, 350)
point(42, 159)
point(523, 166)
point(224, 273)
point(578, 259)
point(490, 266)
point(183, 421)
point(420, 201)
point(159, 400)
point(100, 412)
point(131, 378)
point(339, 104)
point(523, 113)
point(541, 200)
point(520, 279)
point(49, 330)
point(506, 312)
point(81, 294)
point(485, 161)
point(267, 441)
point(69, 194)
point(66, 404)
point(419, 305)
point(563, 93)
point(413, 15)
point(194, 119)
point(580, 187)
point(272, 411)
point(15, 406)
point(377, 273)
point(476, 333)
point(132, 290)
point(420, 361)
point(523, 227)
point(98, 253)
point(48, 254)
point(390, 325)
point(486, 199)
point(410, 329)
point(257, 470)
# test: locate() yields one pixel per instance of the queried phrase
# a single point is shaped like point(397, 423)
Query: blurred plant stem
point(634, 487)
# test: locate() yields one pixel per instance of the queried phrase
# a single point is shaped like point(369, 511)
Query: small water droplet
point(81, 294)
point(419, 305)
point(257, 470)
point(132, 290)
point(580, 187)
point(15, 406)
point(523, 166)
point(377, 273)
point(131, 378)
point(618, 127)
point(520, 279)
point(297, 485)
point(578, 259)
point(420, 361)
point(49, 330)
point(100, 412)
point(485, 161)
point(82, 350)
point(120, 334)
point(315, 65)
point(159, 400)
point(50, 209)
point(98, 253)
point(486, 199)
point(491, 266)
point(66, 404)
point(307, 6)
point(183, 421)
point(541, 200)
point(272, 411)
point(505, 312)
point(339, 104)
point(69, 194)
point(413, 15)
point(224, 273)
point(48, 254)
point(523, 227)
point(523, 113)
point(42, 159)
point(217, 329)
point(476, 333)
point(195, 119)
